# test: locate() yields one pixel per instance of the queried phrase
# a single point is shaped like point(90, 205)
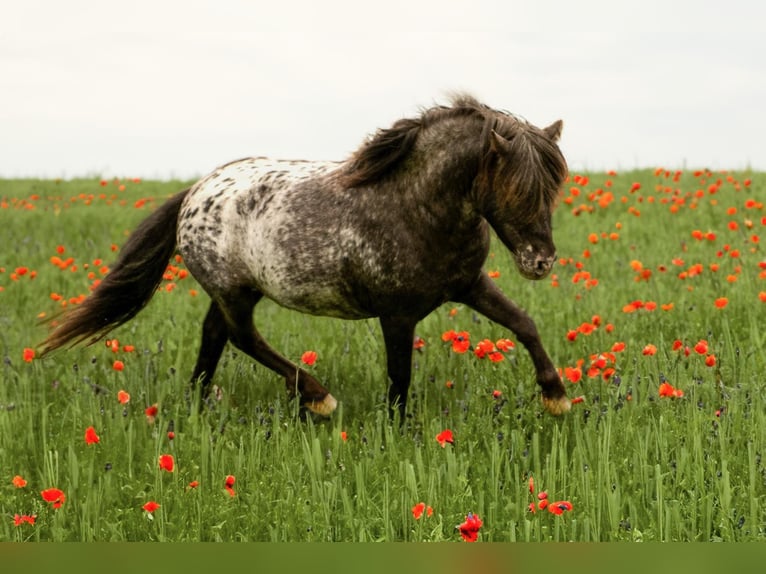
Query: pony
point(399, 228)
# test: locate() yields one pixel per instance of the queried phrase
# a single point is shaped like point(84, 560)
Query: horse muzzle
point(534, 266)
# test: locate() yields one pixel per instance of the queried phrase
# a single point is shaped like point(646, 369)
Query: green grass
point(634, 465)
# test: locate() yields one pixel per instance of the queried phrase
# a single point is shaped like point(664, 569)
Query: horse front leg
point(486, 298)
point(398, 333)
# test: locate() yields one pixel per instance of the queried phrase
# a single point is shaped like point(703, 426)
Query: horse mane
point(386, 148)
point(535, 158)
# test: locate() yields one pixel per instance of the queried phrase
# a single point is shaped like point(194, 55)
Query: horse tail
point(129, 285)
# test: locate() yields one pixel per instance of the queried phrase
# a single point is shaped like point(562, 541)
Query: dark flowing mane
point(537, 166)
point(386, 148)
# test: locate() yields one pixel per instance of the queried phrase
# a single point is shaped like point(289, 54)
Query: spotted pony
point(399, 228)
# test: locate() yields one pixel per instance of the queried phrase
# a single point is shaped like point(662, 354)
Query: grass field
point(653, 315)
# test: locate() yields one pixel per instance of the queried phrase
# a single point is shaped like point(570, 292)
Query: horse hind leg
point(215, 334)
point(237, 313)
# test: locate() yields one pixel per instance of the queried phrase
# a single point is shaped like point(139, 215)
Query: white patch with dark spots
point(258, 223)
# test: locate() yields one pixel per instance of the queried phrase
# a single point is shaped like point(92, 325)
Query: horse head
point(523, 170)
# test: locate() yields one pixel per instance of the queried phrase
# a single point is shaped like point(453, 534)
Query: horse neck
point(445, 162)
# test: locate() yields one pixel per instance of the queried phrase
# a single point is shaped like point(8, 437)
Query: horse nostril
point(543, 264)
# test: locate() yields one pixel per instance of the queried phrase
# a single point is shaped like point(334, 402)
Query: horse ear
point(553, 131)
point(498, 143)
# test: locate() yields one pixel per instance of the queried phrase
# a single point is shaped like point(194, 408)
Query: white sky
point(170, 88)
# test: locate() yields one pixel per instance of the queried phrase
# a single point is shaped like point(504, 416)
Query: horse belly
point(303, 277)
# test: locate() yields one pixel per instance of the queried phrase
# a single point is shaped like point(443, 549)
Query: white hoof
point(325, 407)
point(557, 406)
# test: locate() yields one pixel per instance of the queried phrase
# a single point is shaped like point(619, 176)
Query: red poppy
point(577, 400)
point(229, 485)
point(721, 302)
point(531, 485)
point(460, 340)
point(123, 397)
point(18, 481)
point(150, 506)
point(496, 356)
point(118, 365)
point(194, 484)
point(90, 436)
point(167, 462)
point(668, 390)
point(54, 496)
point(445, 437)
point(497, 394)
point(469, 530)
point(649, 350)
point(309, 358)
point(18, 520)
point(418, 510)
point(505, 345)
point(29, 354)
point(483, 348)
point(559, 507)
point(710, 361)
point(343, 436)
point(701, 347)
point(151, 413)
point(418, 343)
point(573, 374)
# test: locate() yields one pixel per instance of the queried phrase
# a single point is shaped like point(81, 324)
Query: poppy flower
point(418, 343)
point(497, 394)
point(118, 365)
point(559, 507)
point(469, 530)
point(229, 485)
point(496, 356)
point(90, 436)
point(721, 302)
point(461, 341)
point(151, 413)
point(150, 506)
point(505, 345)
point(18, 481)
point(573, 375)
point(18, 520)
point(668, 390)
point(701, 347)
point(419, 508)
point(445, 437)
point(343, 436)
point(167, 462)
point(649, 350)
point(710, 361)
point(531, 485)
point(54, 496)
point(194, 484)
point(123, 397)
point(309, 358)
point(28, 355)
point(483, 348)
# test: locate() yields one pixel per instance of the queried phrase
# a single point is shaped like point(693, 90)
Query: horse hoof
point(325, 407)
point(557, 406)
